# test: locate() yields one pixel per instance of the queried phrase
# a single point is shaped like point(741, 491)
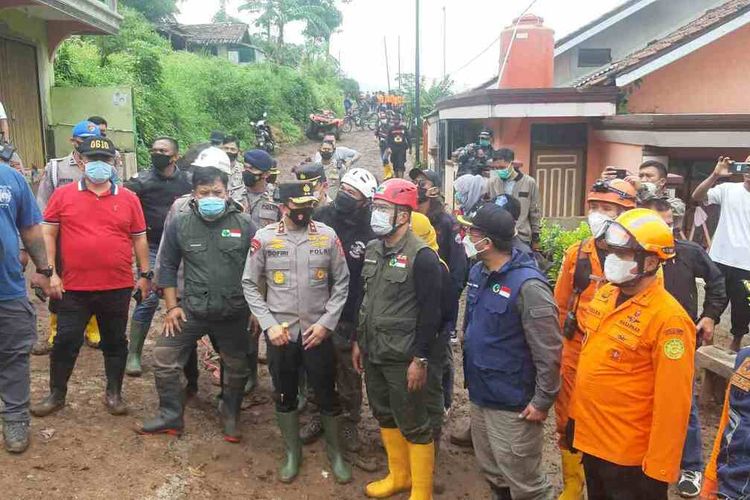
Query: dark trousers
point(17, 335)
point(73, 312)
point(608, 481)
point(738, 297)
point(319, 365)
point(398, 159)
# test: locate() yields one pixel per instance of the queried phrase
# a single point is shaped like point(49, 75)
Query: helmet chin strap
point(640, 260)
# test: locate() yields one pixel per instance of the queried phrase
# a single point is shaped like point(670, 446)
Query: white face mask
point(381, 224)
point(618, 271)
point(596, 222)
point(471, 248)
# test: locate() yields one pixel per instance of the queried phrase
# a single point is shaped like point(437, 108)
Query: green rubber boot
point(342, 471)
point(289, 425)
point(138, 332)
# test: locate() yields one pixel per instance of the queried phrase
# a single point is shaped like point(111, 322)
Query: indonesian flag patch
point(502, 291)
point(231, 233)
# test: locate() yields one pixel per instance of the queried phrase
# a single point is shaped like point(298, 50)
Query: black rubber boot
point(114, 367)
point(170, 419)
point(59, 374)
point(229, 408)
point(500, 493)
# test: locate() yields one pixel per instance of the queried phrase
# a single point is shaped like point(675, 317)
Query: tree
point(156, 11)
point(429, 94)
point(221, 15)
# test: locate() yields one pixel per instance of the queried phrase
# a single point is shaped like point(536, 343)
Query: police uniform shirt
point(263, 211)
point(305, 273)
point(236, 188)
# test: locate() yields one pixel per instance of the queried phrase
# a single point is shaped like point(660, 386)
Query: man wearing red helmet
point(399, 320)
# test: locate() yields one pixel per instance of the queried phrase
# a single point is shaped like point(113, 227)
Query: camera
point(570, 325)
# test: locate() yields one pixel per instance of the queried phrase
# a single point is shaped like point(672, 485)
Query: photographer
point(732, 238)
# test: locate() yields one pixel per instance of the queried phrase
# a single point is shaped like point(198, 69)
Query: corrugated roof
point(710, 20)
point(211, 34)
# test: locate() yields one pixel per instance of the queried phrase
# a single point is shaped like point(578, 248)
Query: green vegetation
point(554, 241)
point(187, 95)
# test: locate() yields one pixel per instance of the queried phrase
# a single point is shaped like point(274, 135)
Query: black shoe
point(16, 436)
point(55, 401)
point(114, 403)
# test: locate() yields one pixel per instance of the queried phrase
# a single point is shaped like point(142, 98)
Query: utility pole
point(445, 36)
point(387, 69)
point(417, 85)
point(399, 63)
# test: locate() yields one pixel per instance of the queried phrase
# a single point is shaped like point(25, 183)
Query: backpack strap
point(54, 172)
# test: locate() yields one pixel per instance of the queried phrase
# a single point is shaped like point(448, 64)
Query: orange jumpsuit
point(635, 380)
point(564, 296)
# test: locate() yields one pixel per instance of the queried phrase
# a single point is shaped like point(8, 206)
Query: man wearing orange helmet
point(581, 274)
point(398, 323)
point(635, 373)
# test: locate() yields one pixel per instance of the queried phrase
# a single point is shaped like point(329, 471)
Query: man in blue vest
point(511, 356)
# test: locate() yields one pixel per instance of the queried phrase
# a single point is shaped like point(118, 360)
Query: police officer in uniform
point(398, 324)
point(257, 202)
point(303, 266)
point(315, 174)
point(211, 242)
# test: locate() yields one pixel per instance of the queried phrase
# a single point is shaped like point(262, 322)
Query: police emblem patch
point(674, 349)
point(279, 278)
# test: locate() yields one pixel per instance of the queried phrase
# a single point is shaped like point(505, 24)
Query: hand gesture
point(705, 328)
point(722, 167)
point(173, 321)
point(357, 360)
point(40, 281)
point(313, 336)
point(144, 285)
point(416, 376)
point(278, 335)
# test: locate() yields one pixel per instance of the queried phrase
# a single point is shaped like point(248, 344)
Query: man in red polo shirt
point(99, 224)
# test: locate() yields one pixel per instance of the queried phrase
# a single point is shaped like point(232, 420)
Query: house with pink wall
point(679, 98)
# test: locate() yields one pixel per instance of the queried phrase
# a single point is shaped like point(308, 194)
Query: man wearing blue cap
point(57, 173)
point(258, 165)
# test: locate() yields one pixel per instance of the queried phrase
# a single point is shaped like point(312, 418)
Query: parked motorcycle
point(322, 124)
point(263, 135)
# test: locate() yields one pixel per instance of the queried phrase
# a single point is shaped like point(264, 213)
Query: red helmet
point(399, 192)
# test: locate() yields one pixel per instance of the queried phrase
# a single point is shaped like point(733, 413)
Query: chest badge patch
point(399, 261)
point(279, 278)
point(320, 274)
point(674, 349)
point(231, 233)
point(502, 291)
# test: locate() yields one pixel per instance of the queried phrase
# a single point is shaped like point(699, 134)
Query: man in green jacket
point(212, 241)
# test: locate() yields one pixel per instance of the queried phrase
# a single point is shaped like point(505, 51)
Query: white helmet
point(361, 180)
point(213, 157)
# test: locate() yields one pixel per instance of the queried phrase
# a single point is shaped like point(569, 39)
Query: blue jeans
point(144, 312)
point(692, 452)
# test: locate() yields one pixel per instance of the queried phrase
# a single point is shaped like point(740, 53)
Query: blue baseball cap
point(259, 159)
point(86, 129)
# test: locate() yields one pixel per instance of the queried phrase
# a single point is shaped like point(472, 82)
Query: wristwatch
point(48, 272)
point(422, 362)
point(149, 275)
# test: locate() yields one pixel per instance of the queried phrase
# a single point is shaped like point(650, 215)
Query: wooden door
point(19, 93)
point(560, 176)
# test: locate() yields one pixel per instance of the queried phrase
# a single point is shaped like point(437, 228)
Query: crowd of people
point(351, 279)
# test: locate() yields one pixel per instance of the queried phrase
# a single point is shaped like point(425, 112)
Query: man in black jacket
point(680, 273)
point(349, 216)
point(157, 188)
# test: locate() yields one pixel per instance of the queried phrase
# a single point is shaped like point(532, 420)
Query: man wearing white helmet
point(349, 216)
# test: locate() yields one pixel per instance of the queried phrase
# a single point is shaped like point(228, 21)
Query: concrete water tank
point(530, 64)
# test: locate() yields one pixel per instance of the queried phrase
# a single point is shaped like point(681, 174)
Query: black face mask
point(421, 194)
point(272, 178)
point(232, 157)
point(326, 155)
point(249, 178)
point(346, 203)
point(301, 216)
point(160, 161)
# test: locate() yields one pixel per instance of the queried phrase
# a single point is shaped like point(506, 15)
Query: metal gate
point(19, 93)
point(559, 174)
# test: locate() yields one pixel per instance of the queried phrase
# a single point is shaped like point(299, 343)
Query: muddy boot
point(169, 420)
point(350, 436)
point(289, 425)
point(114, 367)
point(462, 436)
point(229, 409)
point(138, 332)
point(312, 430)
point(59, 374)
point(41, 348)
point(16, 436)
point(342, 471)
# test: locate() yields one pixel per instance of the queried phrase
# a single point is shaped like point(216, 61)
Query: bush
point(554, 241)
point(188, 95)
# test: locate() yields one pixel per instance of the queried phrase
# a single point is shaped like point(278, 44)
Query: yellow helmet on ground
point(641, 230)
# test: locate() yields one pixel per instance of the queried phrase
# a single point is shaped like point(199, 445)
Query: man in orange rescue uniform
point(635, 373)
point(580, 277)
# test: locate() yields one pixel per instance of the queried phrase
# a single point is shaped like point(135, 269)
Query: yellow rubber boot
point(52, 328)
point(387, 171)
point(398, 478)
point(422, 461)
point(92, 332)
point(573, 477)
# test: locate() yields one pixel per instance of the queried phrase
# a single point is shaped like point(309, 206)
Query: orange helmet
point(616, 191)
point(641, 230)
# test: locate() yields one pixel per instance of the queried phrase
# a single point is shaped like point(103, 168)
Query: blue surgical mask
point(211, 207)
point(98, 171)
point(484, 142)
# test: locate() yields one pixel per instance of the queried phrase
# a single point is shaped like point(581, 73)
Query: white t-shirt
point(731, 244)
point(3, 116)
point(341, 155)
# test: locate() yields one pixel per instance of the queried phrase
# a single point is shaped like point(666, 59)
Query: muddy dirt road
point(83, 452)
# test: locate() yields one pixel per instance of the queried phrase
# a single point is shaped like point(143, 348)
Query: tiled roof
point(211, 34)
point(710, 20)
